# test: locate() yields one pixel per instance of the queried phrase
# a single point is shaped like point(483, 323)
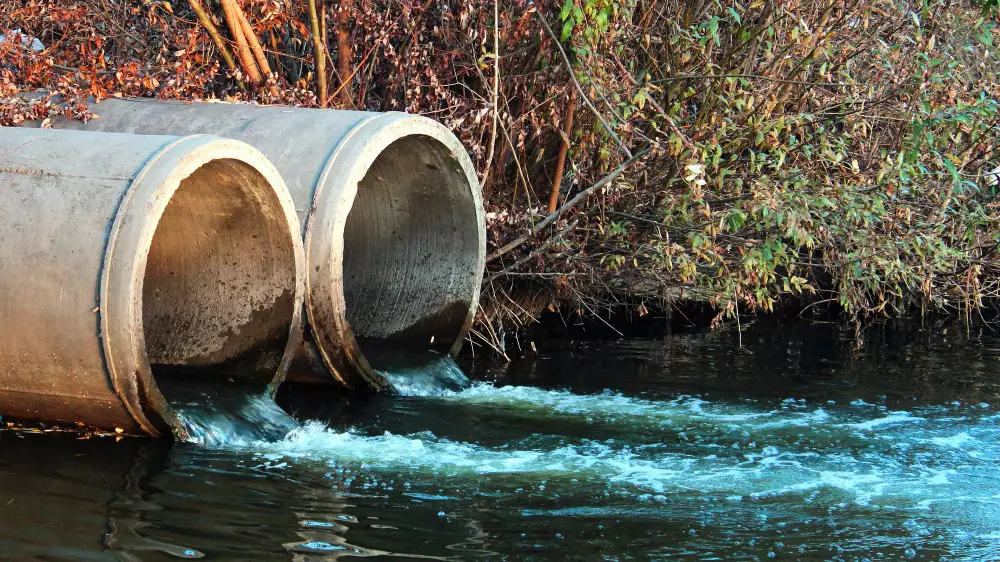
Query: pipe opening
point(218, 298)
point(411, 250)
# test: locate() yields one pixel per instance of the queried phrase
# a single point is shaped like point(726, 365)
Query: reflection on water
point(795, 447)
point(65, 498)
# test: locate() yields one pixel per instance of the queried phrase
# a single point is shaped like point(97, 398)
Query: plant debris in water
point(78, 429)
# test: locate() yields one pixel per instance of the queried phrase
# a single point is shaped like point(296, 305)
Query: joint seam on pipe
point(321, 180)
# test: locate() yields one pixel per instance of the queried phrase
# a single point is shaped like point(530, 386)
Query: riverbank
point(634, 156)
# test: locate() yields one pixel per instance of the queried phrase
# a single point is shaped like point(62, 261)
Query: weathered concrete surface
point(121, 255)
point(392, 209)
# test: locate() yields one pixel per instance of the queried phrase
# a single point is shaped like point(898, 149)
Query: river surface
point(794, 446)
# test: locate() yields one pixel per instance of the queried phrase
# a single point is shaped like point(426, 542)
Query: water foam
point(936, 462)
point(856, 455)
point(606, 406)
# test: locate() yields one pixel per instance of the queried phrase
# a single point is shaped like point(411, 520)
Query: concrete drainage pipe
point(131, 266)
point(395, 235)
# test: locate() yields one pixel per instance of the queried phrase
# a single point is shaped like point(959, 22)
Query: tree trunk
point(563, 150)
point(320, 54)
point(344, 51)
point(229, 8)
point(255, 46)
point(213, 32)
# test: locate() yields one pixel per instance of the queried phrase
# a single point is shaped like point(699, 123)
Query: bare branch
point(580, 197)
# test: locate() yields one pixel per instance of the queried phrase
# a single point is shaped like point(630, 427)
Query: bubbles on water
point(834, 463)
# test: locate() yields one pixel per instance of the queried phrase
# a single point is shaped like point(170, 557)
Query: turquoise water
point(423, 374)
point(794, 447)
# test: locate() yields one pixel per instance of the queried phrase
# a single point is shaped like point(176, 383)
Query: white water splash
point(931, 464)
point(429, 375)
point(257, 419)
point(894, 418)
point(836, 456)
point(955, 441)
point(604, 405)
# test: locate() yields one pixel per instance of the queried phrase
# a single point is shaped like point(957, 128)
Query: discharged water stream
point(416, 372)
point(216, 412)
point(792, 448)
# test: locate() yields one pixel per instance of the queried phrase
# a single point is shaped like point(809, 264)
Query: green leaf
point(567, 30)
point(736, 16)
point(951, 169)
point(566, 9)
point(640, 98)
point(713, 28)
point(602, 18)
point(736, 221)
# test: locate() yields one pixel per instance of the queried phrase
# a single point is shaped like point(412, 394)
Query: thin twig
point(487, 342)
point(754, 77)
point(359, 66)
point(73, 69)
point(580, 197)
point(579, 88)
point(496, 92)
point(736, 305)
point(114, 21)
point(552, 240)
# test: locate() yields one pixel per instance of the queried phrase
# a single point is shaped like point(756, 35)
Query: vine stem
point(579, 88)
point(496, 92)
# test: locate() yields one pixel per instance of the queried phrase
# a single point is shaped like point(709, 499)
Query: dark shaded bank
point(556, 327)
point(900, 361)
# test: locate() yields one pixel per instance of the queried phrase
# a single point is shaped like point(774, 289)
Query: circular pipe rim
point(128, 246)
point(337, 187)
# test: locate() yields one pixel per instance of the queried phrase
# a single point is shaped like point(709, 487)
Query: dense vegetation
point(821, 153)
